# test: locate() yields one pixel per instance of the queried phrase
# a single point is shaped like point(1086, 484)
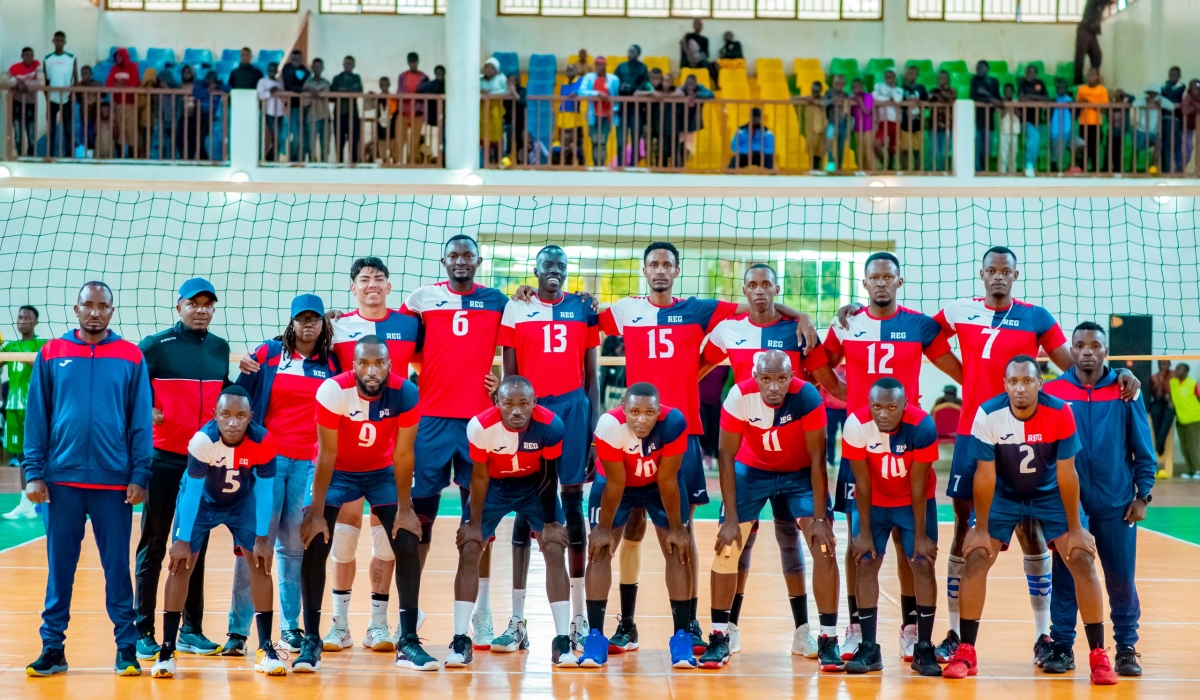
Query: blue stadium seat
point(262, 66)
point(540, 86)
point(197, 56)
point(542, 66)
point(510, 63)
point(100, 71)
point(162, 55)
point(147, 64)
point(269, 55)
point(224, 68)
point(234, 55)
point(133, 54)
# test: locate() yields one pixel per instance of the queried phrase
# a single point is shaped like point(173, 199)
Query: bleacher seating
point(196, 57)
point(231, 55)
point(660, 62)
point(510, 63)
point(270, 56)
point(160, 55)
point(542, 65)
point(953, 67)
point(133, 52)
point(224, 68)
point(844, 66)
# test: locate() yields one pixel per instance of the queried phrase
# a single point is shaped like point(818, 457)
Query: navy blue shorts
point(521, 496)
point(239, 518)
point(441, 446)
point(961, 484)
point(790, 493)
point(1006, 514)
point(884, 518)
point(843, 493)
point(575, 411)
point(377, 486)
point(645, 497)
point(695, 487)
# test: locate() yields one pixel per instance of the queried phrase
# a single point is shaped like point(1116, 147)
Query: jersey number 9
point(366, 435)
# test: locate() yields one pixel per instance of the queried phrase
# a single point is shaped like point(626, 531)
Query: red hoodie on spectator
point(124, 73)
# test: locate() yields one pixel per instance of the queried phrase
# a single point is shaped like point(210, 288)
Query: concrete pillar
point(461, 120)
point(243, 131)
point(964, 138)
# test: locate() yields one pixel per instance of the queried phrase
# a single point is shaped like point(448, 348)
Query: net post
point(963, 131)
point(243, 131)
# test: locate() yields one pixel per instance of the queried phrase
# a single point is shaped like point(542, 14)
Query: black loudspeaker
point(1132, 335)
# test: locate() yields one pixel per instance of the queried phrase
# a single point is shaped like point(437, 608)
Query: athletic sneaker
point(515, 638)
point(1042, 648)
point(1127, 662)
point(716, 654)
point(697, 635)
point(946, 649)
point(625, 638)
point(482, 633)
point(680, 645)
point(234, 646)
point(1060, 660)
point(309, 659)
point(147, 648)
point(963, 663)
point(595, 650)
point(853, 639)
point(197, 643)
point(560, 652)
point(127, 664)
point(25, 510)
point(1102, 671)
point(338, 637)
point(266, 660)
point(51, 661)
point(461, 652)
point(379, 638)
point(868, 658)
point(579, 632)
point(923, 661)
point(735, 638)
point(411, 655)
point(908, 640)
point(163, 668)
point(829, 659)
point(803, 642)
point(420, 621)
point(291, 640)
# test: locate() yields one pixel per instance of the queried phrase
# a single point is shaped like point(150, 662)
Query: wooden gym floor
point(1169, 571)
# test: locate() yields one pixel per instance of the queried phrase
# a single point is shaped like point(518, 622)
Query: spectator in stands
point(984, 89)
point(273, 110)
point(1010, 132)
point(816, 120)
point(1184, 393)
point(1162, 413)
point(104, 148)
point(570, 119)
point(862, 112)
point(1089, 120)
point(1147, 119)
point(124, 73)
point(632, 75)
point(1031, 88)
point(1063, 140)
point(1087, 33)
point(23, 76)
point(209, 100)
point(940, 118)
point(515, 126)
point(246, 75)
point(686, 52)
point(753, 144)
point(696, 57)
point(659, 119)
point(731, 50)
point(383, 147)
point(292, 77)
point(437, 86)
point(315, 106)
point(911, 122)
point(412, 111)
point(1191, 107)
point(601, 86)
point(838, 113)
point(689, 117)
point(1120, 123)
point(887, 134)
point(149, 108)
point(584, 64)
point(492, 83)
point(949, 396)
point(349, 126)
point(59, 69)
point(1172, 121)
point(90, 102)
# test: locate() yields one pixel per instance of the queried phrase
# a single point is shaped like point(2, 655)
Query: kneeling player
point(772, 447)
point(515, 447)
point(640, 445)
point(891, 446)
point(230, 481)
point(1025, 445)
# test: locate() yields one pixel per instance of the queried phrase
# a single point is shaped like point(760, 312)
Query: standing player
point(891, 445)
point(882, 339)
point(461, 327)
point(230, 481)
point(552, 340)
point(773, 449)
point(515, 447)
point(17, 383)
point(1025, 443)
point(366, 424)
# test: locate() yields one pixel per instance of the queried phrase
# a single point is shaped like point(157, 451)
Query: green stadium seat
point(953, 67)
point(924, 65)
point(960, 80)
point(844, 66)
point(1039, 65)
point(879, 65)
point(1065, 69)
point(998, 67)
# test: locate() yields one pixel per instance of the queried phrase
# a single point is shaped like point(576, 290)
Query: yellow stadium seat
point(660, 62)
point(771, 77)
point(731, 63)
point(768, 65)
point(806, 65)
point(613, 62)
point(782, 120)
point(805, 80)
point(733, 76)
point(701, 74)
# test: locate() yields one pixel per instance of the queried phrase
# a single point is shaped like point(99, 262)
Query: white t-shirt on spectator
point(886, 93)
point(273, 105)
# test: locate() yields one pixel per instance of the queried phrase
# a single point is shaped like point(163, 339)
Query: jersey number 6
point(459, 326)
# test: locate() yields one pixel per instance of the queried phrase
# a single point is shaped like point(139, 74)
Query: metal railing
point(349, 129)
point(1084, 139)
point(183, 125)
point(675, 133)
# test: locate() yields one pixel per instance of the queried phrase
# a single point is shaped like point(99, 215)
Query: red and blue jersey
point(662, 346)
point(885, 347)
point(988, 339)
point(366, 427)
point(283, 395)
point(459, 346)
point(890, 456)
point(509, 454)
point(1026, 452)
point(742, 341)
point(551, 339)
point(401, 332)
point(641, 457)
point(773, 436)
point(229, 471)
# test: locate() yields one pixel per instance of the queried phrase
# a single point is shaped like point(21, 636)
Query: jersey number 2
point(1026, 458)
point(557, 343)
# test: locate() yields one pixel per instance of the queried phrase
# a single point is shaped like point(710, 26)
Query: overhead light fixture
point(877, 183)
point(1163, 198)
point(473, 180)
point(5, 172)
point(239, 177)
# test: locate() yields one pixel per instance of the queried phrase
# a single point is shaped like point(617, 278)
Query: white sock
point(379, 608)
point(341, 607)
point(518, 597)
point(954, 569)
point(577, 596)
point(1038, 575)
point(720, 627)
point(483, 601)
point(561, 612)
point(462, 616)
point(829, 630)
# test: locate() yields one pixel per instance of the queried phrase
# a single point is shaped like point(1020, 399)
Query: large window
point(205, 5)
point(718, 9)
point(997, 10)
point(386, 7)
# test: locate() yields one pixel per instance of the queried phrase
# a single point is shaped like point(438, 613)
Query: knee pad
point(521, 533)
point(748, 549)
point(726, 562)
point(345, 543)
point(787, 534)
point(380, 547)
point(572, 502)
point(426, 508)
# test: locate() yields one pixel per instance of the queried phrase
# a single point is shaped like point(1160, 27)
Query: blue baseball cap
point(195, 286)
point(308, 302)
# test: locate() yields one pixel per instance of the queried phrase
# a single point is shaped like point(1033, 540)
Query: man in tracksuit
point(188, 368)
point(87, 454)
point(1116, 472)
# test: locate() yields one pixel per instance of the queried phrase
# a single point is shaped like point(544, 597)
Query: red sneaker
point(963, 663)
point(1102, 671)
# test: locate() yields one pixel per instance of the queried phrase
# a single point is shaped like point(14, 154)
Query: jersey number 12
point(887, 350)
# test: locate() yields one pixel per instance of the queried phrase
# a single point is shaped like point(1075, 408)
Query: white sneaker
point(515, 638)
point(163, 668)
point(379, 638)
point(338, 637)
point(908, 640)
point(851, 641)
point(735, 638)
point(25, 510)
point(1029, 171)
point(268, 662)
point(579, 632)
point(481, 631)
point(804, 643)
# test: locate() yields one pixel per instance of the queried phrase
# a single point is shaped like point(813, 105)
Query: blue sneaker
point(595, 650)
point(197, 643)
point(681, 650)
point(147, 648)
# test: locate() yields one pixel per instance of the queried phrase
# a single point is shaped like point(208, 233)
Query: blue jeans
point(291, 483)
point(981, 148)
point(295, 134)
point(1033, 142)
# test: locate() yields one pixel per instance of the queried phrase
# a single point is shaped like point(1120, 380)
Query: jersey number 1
point(559, 341)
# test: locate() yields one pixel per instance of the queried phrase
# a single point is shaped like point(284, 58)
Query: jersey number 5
point(886, 352)
point(557, 343)
point(231, 482)
point(663, 347)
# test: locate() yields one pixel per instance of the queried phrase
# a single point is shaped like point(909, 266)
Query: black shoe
point(946, 649)
point(560, 652)
point(1042, 649)
point(235, 645)
point(411, 655)
point(292, 640)
point(1127, 662)
point(868, 658)
point(625, 638)
point(1061, 660)
point(51, 661)
point(716, 653)
point(461, 652)
point(309, 659)
point(829, 654)
point(697, 635)
point(126, 663)
point(924, 662)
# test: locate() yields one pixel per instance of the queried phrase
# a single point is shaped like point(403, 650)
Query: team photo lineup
point(393, 406)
